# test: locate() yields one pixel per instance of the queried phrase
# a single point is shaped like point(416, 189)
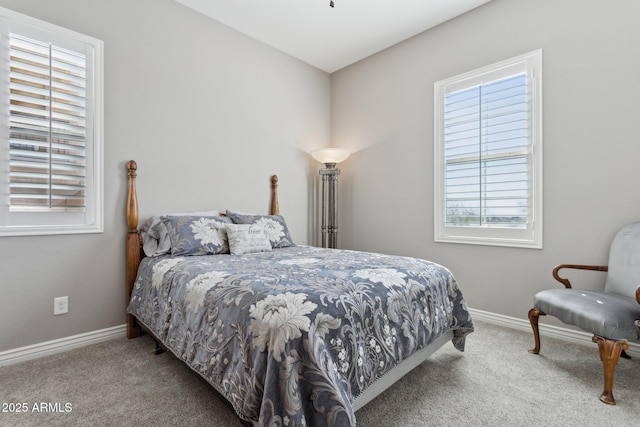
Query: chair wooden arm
point(566, 282)
point(638, 294)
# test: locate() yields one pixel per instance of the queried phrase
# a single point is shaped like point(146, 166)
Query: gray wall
point(208, 114)
point(382, 109)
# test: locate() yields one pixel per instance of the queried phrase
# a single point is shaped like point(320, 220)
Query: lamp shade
point(330, 155)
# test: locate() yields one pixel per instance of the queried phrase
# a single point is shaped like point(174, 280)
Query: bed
point(288, 335)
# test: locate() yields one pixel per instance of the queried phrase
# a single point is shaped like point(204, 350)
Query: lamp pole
point(329, 206)
point(330, 157)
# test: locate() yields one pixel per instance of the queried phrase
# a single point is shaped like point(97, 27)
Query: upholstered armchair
point(612, 315)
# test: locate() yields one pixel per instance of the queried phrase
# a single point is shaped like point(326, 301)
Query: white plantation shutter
point(486, 143)
point(488, 155)
point(51, 179)
point(47, 126)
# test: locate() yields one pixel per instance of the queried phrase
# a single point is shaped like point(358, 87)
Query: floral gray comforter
point(291, 337)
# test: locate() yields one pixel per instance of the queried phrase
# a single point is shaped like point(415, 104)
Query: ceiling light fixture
point(331, 3)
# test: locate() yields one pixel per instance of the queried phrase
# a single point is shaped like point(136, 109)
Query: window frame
point(22, 222)
point(494, 235)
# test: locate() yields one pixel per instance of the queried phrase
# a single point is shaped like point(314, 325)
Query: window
point(488, 155)
point(51, 164)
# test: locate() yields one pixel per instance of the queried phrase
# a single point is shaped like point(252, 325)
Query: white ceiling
point(327, 37)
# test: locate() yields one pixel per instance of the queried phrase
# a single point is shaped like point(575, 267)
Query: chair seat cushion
point(607, 315)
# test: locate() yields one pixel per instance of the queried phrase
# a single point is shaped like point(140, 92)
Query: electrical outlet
point(60, 305)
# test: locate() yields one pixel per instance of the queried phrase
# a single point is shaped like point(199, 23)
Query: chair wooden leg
point(609, 354)
point(534, 314)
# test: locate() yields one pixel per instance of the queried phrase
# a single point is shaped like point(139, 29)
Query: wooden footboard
point(134, 250)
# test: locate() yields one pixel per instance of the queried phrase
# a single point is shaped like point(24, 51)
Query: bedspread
point(291, 337)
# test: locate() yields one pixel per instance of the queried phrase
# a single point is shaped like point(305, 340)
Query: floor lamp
point(330, 157)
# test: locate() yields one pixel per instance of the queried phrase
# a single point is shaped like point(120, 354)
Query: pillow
point(247, 238)
point(155, 241)
point(197, 235)
point(274, 226)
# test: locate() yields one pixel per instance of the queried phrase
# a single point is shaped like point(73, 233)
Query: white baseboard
point(35, 351)
point(565, 334)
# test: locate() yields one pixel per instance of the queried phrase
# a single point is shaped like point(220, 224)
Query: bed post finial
point(275, 206)
point(132, 199)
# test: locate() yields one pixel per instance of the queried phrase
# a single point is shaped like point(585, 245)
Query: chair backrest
point(623, 276)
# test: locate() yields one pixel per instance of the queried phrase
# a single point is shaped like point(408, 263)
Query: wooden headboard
point(134, 239)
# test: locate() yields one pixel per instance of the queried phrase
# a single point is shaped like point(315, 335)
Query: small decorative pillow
point(247, 238)
point(197, 235)
point(274, 226)
point(155, 240)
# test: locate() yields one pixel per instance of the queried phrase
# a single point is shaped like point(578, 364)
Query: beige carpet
point(495, 382)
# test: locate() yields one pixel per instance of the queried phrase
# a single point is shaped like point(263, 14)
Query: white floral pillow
point(197, 235)
point(274, 226)
point(247, 238)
